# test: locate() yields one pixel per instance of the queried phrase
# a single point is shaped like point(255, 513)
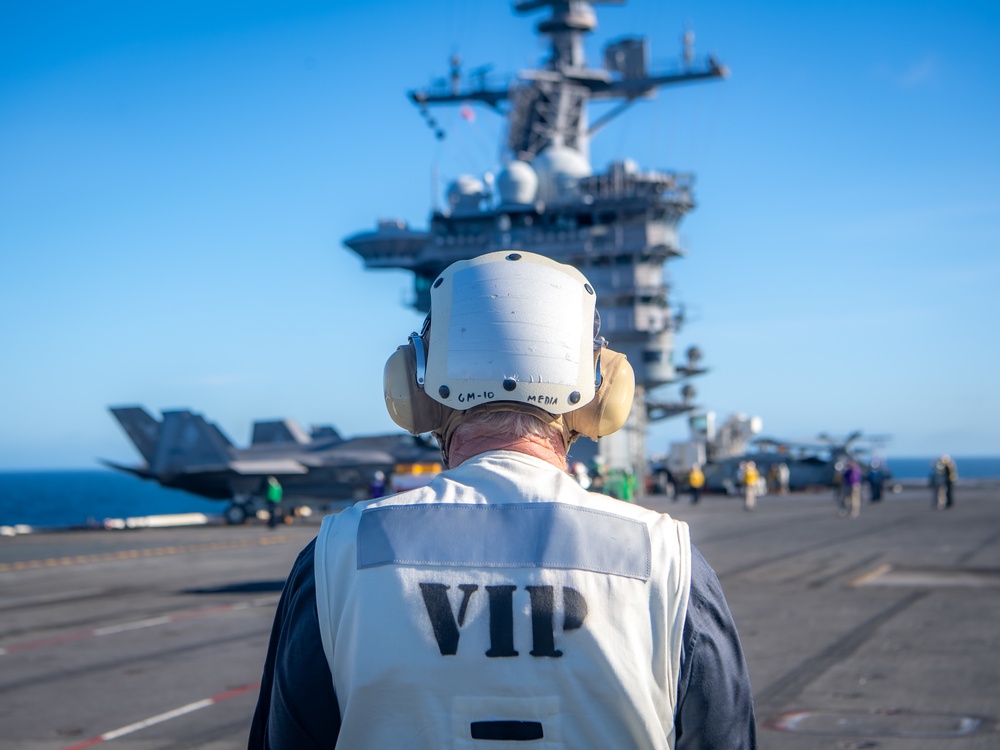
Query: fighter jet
point(187, 452)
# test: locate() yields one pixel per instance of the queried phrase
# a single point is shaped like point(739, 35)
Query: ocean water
point(85, 497)
point(977, 467)
point(76, 498)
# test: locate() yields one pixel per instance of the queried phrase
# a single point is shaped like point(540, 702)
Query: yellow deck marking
point(54, 562)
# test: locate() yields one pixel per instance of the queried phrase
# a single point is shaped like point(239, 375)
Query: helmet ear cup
point(612, 402)
point(416, 412)
point(407, 404)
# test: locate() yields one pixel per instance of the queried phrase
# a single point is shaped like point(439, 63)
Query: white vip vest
point(503, 607)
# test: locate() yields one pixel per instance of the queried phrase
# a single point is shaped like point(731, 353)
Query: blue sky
point(176, 179)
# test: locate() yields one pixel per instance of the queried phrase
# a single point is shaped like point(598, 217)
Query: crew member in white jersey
point(503, 605)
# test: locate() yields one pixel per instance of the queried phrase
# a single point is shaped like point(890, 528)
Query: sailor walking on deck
point(274, 493)
point(503, 602)
point(749, 477)
point(696, 480)
point(851, 481)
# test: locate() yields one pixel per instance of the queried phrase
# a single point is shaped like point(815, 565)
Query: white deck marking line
point(138, 624)
point(165, 716)
point(871, 575)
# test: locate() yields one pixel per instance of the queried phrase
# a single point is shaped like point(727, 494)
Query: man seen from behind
point(504, 603)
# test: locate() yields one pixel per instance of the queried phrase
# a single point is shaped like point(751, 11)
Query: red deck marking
point(136, 625)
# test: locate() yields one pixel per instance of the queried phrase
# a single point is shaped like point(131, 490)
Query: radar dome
point(558, 169)
point(465, 194)
point(518, 184)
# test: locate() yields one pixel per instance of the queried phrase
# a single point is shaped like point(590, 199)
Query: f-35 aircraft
point(187, 452)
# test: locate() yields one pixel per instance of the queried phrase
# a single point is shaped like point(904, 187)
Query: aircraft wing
point(265, 467)
point(251, 468)
point(140, 471)
point(348, 459)
point(146, 473)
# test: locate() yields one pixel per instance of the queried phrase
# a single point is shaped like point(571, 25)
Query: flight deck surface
point(877, 632)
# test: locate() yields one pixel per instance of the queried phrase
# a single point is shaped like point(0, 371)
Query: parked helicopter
point(812, 464)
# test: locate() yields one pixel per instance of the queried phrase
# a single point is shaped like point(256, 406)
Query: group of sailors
point(622, 485)
point(752, 483)
point(849, 480)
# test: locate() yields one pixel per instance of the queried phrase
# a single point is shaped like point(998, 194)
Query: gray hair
point(508, 424)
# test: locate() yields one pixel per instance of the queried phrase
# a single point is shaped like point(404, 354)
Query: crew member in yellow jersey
point(696, 480)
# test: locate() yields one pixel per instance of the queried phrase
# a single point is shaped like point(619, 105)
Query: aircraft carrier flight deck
point(875, 632)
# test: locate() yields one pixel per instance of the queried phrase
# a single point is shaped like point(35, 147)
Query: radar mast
point(619, 227)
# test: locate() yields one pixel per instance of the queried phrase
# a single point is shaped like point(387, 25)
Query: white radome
point(518, 184)
point(558, 169)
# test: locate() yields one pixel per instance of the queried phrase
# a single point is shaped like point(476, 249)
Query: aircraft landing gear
point(236, 514)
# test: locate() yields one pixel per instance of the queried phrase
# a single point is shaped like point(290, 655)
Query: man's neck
point(531, 445)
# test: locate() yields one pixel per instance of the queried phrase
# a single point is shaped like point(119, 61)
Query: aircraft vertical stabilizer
point(141, 428)
point(279, 431)
point(189, 443)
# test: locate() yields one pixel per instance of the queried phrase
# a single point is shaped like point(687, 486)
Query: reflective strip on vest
point(520, 535)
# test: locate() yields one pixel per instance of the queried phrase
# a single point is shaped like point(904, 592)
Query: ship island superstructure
point(619, 226)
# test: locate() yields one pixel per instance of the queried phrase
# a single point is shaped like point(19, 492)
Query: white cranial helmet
point(511, 327)
point(510, 331)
